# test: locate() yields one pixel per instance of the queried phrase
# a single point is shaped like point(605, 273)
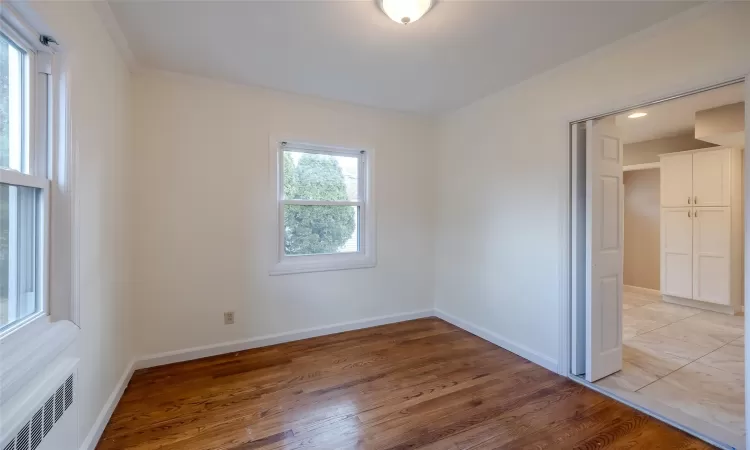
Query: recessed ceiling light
point(405, 11)
point(637, 115)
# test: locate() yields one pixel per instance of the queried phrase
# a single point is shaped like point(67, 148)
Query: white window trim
point(36, 157)
point(31, 344)
point(51, 156)
point(366, 257)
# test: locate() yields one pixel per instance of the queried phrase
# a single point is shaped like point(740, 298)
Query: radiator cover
point(44, 415)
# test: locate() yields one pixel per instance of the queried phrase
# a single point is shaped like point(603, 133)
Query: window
point(324, 207)
point(23, 182)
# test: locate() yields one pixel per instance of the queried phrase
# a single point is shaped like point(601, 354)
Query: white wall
point(641, 262)
point(503, 169)
point(100, 112)
point(724, 125)
point(649, 151)
point(203, 218)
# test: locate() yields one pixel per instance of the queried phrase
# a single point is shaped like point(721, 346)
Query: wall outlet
point(229, 318)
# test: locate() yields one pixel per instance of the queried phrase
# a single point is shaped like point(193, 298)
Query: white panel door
point(604, 255)
point(711, 177)
point(711, 230)
point(676, 173)
point(677, 252)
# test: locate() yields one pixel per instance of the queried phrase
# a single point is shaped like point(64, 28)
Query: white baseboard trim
point(205, 351)
point(92, 439)
point(723, 309)
point(640, 290)
point(507, 344)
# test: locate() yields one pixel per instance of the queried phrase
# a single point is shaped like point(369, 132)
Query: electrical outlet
point(229, 318)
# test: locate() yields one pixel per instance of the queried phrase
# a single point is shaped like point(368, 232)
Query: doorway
point(657, 239)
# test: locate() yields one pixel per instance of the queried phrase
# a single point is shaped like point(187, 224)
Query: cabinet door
point(711, 229)
point(677, 252)
point(711, 177)
point(677, 180)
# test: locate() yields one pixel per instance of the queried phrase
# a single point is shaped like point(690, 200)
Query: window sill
point(28, 325)
point(290, 266)
point(28, 350)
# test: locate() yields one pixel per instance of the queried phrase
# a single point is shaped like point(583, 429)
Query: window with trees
point(324, 208)
point(23, 181)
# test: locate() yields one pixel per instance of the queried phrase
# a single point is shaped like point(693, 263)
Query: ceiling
point(457, 53)
point(675, 117)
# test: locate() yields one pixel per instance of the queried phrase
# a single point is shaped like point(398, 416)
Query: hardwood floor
point(417, 384)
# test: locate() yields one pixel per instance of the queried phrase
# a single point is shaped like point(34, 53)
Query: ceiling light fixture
point(405, 11)
point(637, 115)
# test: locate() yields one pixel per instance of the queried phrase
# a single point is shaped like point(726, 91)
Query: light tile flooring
point(687, 358)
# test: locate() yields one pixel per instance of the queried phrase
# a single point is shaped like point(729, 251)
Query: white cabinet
point(702, 227)
point(677, 252)
point(711, 178)
point(711, 258)
point(676, 179)
point(696, 178)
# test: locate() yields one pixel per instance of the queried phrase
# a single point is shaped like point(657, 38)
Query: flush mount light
point(637, 115)
point(405, 11)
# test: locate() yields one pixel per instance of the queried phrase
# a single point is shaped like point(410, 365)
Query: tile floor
point(687, 358)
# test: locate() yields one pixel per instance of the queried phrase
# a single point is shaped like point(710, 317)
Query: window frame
point(36, 143)
point(365, 257)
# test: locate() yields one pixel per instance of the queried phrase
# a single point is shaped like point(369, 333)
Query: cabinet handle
point(695, 200)
point(688, 200)
point(695, 214)
point(688, 213)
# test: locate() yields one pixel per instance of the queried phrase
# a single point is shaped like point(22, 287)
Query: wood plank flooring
point(417, 384)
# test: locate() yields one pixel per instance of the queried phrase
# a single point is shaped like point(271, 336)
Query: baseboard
point(487, 335)
point(188, 354)
point(92, 439)
point(640, 290)
point(723, 309)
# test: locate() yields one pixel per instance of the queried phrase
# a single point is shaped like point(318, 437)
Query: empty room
point(375, 224)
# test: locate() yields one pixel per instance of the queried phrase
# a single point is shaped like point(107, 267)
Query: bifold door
point(604, 250)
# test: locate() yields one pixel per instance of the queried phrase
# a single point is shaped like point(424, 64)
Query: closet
point(701, 228)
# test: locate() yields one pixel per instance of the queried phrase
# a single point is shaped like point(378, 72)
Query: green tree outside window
point(312, 229)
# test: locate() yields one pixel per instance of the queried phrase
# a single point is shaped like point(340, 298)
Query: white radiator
point(44, 415)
